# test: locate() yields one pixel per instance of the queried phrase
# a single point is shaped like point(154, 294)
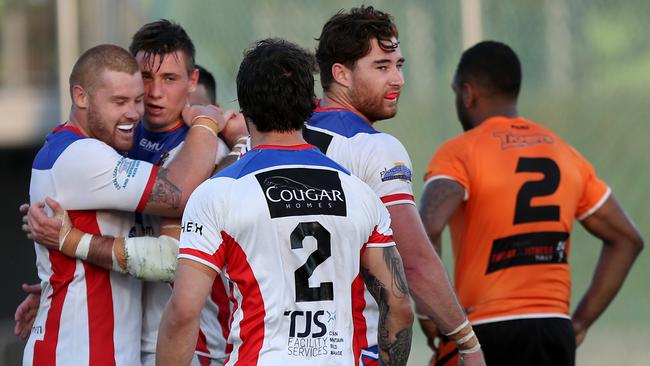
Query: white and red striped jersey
point(379, 159)
point(87, 315)
point(288, 226)
point(160, 148)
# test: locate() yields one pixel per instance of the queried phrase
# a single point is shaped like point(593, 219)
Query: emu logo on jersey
point(399, 171)
point(150, 145)
point(301, 191)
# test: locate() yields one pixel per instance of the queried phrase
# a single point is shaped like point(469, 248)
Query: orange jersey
point(524, 186)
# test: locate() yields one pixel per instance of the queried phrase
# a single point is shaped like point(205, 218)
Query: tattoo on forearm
point(394, 263)
point(437, 193)
point(397, 351)
point(164, 192)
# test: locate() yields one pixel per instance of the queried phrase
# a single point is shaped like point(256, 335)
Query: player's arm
point(429, 283)
point(383, 274)
point(622, 243)
point(191, 166)
point(147, 258)
point(179, 327)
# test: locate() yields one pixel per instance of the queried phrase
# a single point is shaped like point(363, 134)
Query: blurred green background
point(586, 66)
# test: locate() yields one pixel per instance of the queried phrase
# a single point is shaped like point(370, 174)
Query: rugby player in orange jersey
point(510, 190)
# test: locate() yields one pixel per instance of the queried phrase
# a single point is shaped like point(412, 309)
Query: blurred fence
point(586, 66)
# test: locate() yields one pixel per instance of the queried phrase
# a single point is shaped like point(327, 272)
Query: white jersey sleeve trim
point(596, 206)
point(380, 245)
point(200, 260)
point(436, 177)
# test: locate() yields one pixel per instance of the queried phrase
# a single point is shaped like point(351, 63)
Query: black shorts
point(529, 342)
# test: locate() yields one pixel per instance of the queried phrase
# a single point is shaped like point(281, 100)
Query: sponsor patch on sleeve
point(399, 171)
point(124, 170)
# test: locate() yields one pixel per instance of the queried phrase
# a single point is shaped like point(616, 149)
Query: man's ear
point(194, 80)
point(342, 74)
point(468, 95)
point(80, 97)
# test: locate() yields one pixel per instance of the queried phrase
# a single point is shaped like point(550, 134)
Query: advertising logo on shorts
point(301, 191)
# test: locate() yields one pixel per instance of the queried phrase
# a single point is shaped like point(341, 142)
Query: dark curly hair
point(161, 38)
point(346, 37)
point(275, 85)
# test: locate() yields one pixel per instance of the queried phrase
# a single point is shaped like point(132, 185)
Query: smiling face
point(167, 85)
point(114, 108)
point(376, 82)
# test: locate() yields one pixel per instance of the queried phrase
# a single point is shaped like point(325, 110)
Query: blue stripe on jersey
point(152, 146)
point(341, 122)
point(55, 145)
point(255, 160)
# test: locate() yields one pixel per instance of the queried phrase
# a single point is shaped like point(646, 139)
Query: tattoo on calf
point(164, 192)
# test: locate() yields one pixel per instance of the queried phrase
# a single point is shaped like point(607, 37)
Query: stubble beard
point(371, 105)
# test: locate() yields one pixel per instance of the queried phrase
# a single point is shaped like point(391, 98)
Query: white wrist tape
point(470, 350)
point(466, 338)
point(83, 247)
point(151, 259)
point(116, 264)
point(458, 328)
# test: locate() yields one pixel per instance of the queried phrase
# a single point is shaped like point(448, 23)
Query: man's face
point(377, 81)
point(166, 88)
point(461, 111)
point(115, 107)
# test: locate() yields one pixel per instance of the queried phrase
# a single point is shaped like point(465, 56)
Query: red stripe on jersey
point(232, 314)
point(65, 127)
point(219, 296)
point(202, 342)
point(62, 274)
point(359, 339)
point(99, 297)
point(285, 147)
point(215, 259)
point(251, 327)
point(147, 189)
point(378, 238)
point(397, 197)
point(367, 361)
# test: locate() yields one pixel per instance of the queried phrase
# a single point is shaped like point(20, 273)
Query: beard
point(371, 105)
point(463, 116)
point(103, 131)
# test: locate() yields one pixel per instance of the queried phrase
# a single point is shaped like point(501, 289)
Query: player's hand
point(44, 229)
point(191, 114)
point(24, 209)
point(432, 333)
point(26, 311)
point(235, 128)
point(472, 359)
point(580, 331)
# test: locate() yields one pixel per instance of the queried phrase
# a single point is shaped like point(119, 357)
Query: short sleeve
point(201, 227)
point(450, 162)
point(388, 169)
point(382, 235)
point(92, 175)
point(595, 191)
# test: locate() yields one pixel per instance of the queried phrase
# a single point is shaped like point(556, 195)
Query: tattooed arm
point(440, 200)
point(383, 274)
point(192, 165)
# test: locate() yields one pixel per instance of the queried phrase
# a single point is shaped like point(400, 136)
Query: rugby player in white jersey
point(165, 55)
point(360, 63)
point(293, 231)
point(89, 315)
